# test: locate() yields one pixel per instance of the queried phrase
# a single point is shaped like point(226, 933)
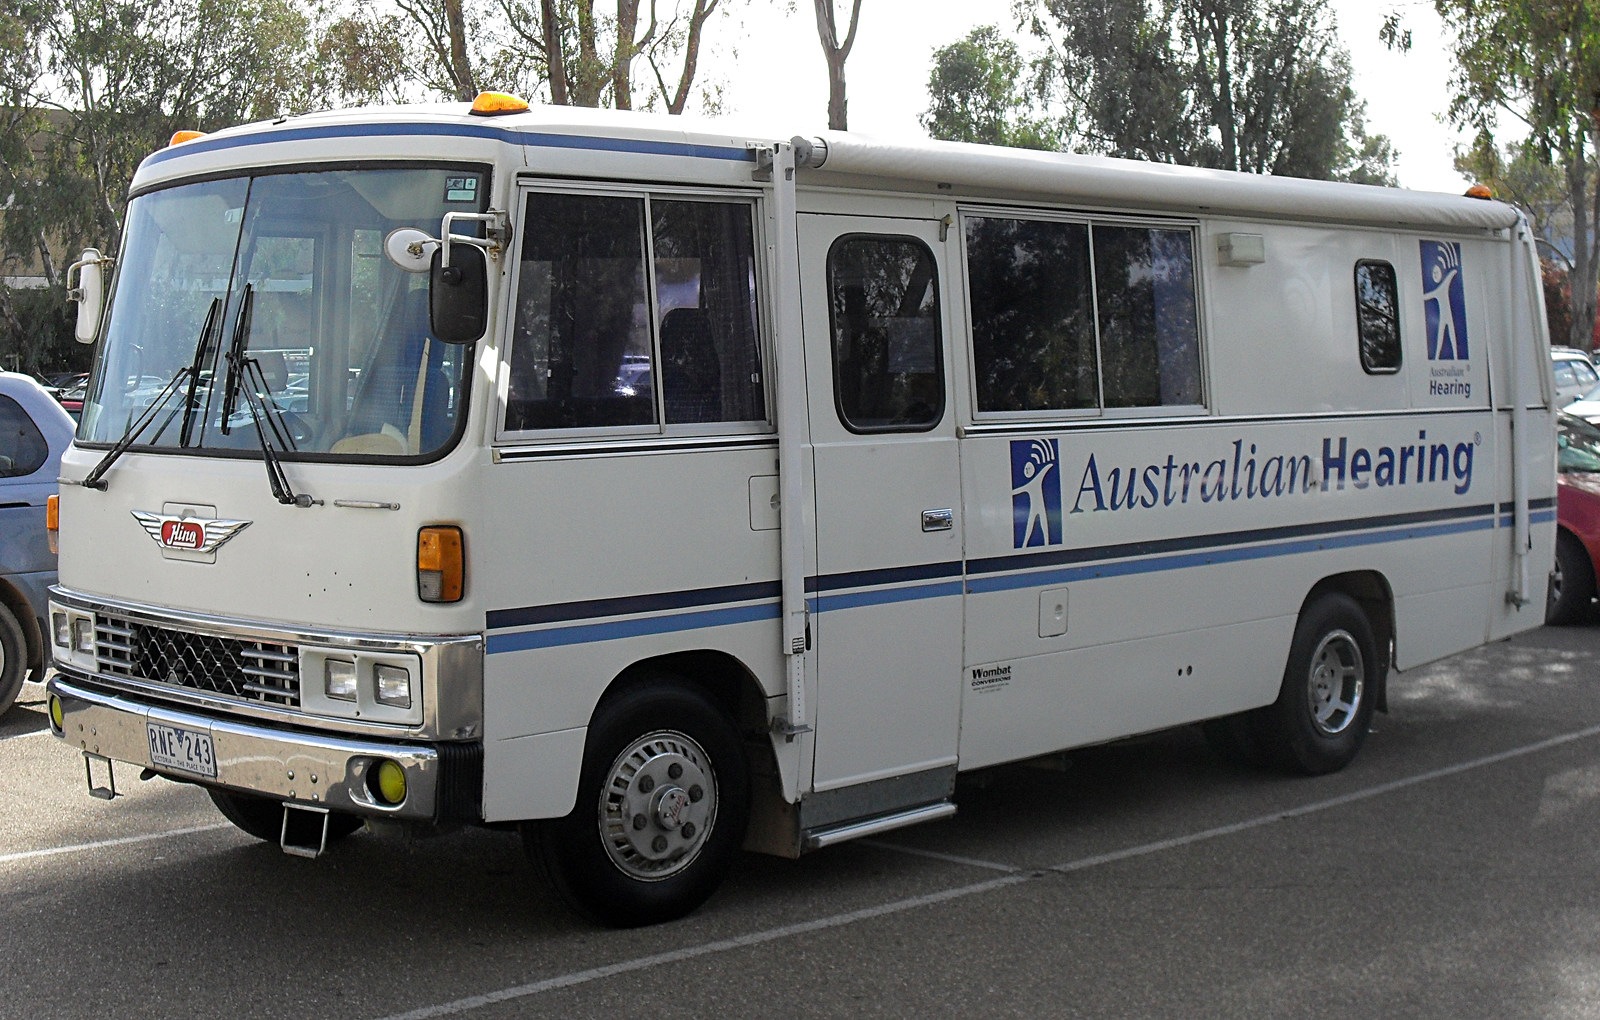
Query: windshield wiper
point(195, 367)
point(93, 480)
point(244, 376)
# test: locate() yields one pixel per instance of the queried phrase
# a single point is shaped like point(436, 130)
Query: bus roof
point(853, 160)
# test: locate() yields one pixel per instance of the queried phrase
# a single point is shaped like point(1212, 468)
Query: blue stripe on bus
point(591, 632)
point(540, 139)
point(883, 596)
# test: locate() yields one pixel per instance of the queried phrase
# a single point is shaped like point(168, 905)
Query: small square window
point(1378, 317)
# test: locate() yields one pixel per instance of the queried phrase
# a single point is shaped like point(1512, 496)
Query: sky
point(777, 71)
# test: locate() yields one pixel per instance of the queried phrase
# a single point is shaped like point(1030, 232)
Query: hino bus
point(663, 487)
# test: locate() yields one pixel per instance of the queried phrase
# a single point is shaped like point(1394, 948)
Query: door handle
point(938, 520)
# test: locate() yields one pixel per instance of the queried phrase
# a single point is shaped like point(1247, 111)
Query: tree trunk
point(1584, 262)
point(587, 83)
point(691, 54)
point(1225, 116)
point(622, 65)
point(836, 54)
point(555, 63)
point(460, 66)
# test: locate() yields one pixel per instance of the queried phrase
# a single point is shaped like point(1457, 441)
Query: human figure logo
point(1444, 300)
point(1035, 492)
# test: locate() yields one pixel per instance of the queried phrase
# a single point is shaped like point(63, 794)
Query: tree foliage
point(1262, 86)
point(979, 92)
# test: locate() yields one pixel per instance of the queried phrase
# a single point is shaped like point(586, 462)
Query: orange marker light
point(52, 522)
point(441, 566)
point(1479, 191)
point(185, 136)
point(493, 104)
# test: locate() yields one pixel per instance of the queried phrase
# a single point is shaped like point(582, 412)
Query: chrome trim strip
point(253, 759)
point(816, 840)
point(452, 669)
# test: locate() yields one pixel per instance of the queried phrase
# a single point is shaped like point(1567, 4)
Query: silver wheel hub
point(658, 805)
point(1336, 682)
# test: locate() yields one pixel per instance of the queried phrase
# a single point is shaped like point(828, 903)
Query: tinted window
point(22, 448)
point(1149, 335)
point(1583, 373)
point(887, 371)
point(1563, 370)
point(1032, 314)
point(1577, 444)
point(705, 288)
point(582, 328)
point(1378, 316)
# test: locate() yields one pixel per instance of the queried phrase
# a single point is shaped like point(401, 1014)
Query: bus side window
point(580, 348)
point(1032, 314)
point(705, 288)
point(888, 372)
point(1378, 317)
point(1149, 334)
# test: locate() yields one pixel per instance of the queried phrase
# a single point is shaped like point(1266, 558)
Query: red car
point(1572, 582)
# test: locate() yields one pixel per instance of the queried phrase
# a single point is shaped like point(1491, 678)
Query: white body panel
point(593, 552)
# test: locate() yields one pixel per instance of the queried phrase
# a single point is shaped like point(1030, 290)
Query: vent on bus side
point(256, 671)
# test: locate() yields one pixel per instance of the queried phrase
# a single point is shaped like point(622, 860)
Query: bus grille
point(258, 671)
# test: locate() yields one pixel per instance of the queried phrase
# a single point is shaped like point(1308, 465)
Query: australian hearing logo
point(1035, 492)
point(1444, 300)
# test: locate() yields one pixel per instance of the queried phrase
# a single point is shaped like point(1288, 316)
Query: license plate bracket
point(181, 748)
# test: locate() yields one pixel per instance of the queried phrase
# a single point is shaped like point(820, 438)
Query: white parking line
point(27, 855)
point(31, 733)
point(898, 906)
point(971, 862)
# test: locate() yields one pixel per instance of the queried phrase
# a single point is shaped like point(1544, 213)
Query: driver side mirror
point(89, 293)
point(458, 295)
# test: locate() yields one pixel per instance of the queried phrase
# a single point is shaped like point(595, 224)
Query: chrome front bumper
point(442, 780)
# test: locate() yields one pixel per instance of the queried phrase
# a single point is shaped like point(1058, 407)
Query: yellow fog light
point(389, 782)
point(58, 718)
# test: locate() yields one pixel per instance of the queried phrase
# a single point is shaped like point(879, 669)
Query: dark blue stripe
point(590, 632)
point(885, 575)
point(1056, 557)
point(630, 605)
point(1533, 504)
point(542, 139)
point(1038, 578)
point(884, 596)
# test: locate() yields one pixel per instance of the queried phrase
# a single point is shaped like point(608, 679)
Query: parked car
point(34, 431)
point(1575, 374)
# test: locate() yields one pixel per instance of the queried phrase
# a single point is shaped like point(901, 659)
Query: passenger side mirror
point(89, 293)
point(458, 295)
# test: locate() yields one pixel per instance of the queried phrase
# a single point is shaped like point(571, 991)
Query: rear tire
point(662, 802)
point(1571, 582)
point(1324, 707)
point(262, 817)
point(13, 658)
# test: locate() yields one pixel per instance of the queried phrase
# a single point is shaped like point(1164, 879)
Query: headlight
point(339, 679)
point(63, 634)
point(83, 636)
point(394, 686)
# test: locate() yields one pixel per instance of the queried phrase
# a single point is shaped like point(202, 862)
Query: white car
point(1575, 375)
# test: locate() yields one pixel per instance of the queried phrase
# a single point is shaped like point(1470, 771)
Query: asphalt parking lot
point(1450, 872)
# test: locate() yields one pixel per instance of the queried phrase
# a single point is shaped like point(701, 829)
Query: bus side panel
point(589, 565)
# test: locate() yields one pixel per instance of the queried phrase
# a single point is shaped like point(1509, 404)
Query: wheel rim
point(1336, 682)
point(1555, 581)
point(658, 805)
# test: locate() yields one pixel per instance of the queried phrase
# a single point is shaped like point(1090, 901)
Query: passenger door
point(886, 606)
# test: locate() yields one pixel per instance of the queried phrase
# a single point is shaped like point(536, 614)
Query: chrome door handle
point(938, 520)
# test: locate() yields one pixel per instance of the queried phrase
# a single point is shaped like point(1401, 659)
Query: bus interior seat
point(691, 374)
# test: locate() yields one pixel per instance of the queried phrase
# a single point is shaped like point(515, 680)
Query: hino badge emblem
point(188, 534)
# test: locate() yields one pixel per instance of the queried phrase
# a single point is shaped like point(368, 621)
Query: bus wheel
point(661, 809)
point(1324, 708)
point(262, 817)
point(1571, 582)
point(13, 658)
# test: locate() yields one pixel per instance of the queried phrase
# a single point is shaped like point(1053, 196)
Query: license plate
point(174, 747)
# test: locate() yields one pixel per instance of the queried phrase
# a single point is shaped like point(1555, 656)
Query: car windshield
point(1577, 444)
point(340, 334)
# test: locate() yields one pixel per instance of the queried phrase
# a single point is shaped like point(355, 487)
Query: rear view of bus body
point(724, 491)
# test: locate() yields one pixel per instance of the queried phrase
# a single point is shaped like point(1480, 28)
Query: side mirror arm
point(498, 229)
point(76, 293)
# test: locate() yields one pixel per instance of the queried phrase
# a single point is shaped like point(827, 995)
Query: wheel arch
point(1372, 592)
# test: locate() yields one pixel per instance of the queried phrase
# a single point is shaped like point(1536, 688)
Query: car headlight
point(83, 636)
point(339, 679)
point(394, 685)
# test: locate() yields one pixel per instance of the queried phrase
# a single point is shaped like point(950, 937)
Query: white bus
point(711, 490)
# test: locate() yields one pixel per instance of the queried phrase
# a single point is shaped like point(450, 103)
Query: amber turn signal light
point(494, 104)
point(1479, 191)
point(441, 565)
point(179, 137)
point(52, 522)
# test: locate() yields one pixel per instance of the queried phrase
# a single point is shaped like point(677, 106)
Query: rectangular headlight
point(83, 636)
point(394, 686)
point(58, 625)
point(339, 679)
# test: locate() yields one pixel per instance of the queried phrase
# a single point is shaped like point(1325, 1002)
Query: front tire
point(662, 802)
point(1324, 708)
point(262, 817)
point(13, 658)
point(1571, 582)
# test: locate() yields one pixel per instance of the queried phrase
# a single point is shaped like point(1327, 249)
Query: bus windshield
point(347, 365)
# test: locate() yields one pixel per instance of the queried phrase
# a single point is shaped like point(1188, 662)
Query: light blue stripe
point(1179, 562)
point(1536, 517)
point(541, 139)
point(883, 596)
point(587, 633)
